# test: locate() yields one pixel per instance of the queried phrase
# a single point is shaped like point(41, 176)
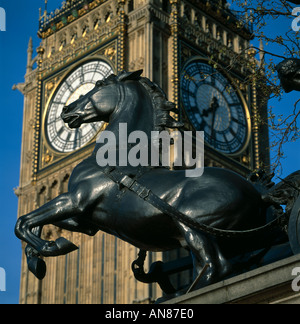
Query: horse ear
point(124, 76)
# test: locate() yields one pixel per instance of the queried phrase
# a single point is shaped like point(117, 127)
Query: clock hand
point(212, 124)
point(213, 106)
point(206, 112)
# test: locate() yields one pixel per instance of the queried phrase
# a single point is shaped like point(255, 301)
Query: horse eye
point(99, 83)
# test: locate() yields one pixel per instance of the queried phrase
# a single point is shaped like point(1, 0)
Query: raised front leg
point(38, 266)
point(59, 209)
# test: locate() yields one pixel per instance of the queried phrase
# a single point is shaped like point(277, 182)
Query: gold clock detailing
point(121, 36)
point(175, 42)
point(110, 52)
point(69, 12)
point(37, 113)
point(48, 157)
point(255, 127)
point(255, 113)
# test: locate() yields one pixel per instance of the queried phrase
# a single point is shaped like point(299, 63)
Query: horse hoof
point(60, 247)
point(65, 246)
point(37, 266)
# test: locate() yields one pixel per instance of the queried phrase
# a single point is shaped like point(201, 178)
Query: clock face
point(213, 106)
point(62, 138)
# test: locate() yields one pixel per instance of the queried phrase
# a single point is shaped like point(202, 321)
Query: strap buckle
point(134, 186)
point(127, 182)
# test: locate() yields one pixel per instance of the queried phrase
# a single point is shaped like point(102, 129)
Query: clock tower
point(196, 52)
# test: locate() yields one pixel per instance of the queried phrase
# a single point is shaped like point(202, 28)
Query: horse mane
point(162, 106)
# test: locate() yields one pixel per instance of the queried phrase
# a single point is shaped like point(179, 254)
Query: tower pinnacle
point(29, 55)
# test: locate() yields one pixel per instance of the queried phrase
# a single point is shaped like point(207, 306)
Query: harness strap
point(147, 195)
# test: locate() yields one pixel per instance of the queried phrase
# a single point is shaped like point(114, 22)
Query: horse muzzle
point(73, 120)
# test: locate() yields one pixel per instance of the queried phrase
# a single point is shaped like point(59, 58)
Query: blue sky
point(22, 23)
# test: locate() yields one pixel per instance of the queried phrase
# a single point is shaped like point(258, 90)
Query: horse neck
point(135, 110)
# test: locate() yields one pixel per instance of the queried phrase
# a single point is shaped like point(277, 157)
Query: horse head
point(289, 74)
point(99, 103)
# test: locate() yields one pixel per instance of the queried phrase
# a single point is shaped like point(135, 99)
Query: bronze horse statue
point(221, 214)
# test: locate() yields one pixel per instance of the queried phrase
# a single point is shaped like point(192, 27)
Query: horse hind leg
point(205, 253)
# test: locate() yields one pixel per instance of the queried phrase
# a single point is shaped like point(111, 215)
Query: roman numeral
point(232, 132)
point(238, 121)
point(77, 141)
